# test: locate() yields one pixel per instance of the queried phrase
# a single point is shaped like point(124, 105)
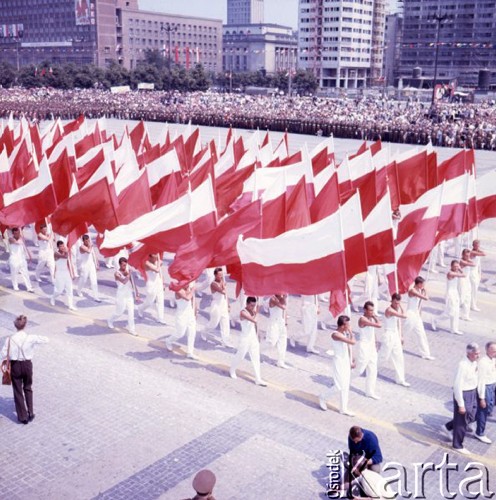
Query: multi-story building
point(392, 47)
point(102, 31)
point(186, 40)
point(341, 41)
point(255, 47)
point(466, 43)
point(245, 11)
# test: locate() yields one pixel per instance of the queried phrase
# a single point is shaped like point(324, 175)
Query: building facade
point(342, 41)
point(259, 47)
point(467, 39)
point(245, 12)
point(103, 31)
point(187, 41)
point(392, 47)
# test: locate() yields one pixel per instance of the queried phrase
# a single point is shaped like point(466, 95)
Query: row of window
point(182, 27)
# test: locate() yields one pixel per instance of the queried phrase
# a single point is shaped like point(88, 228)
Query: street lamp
point(169, 29)
point(439, 18)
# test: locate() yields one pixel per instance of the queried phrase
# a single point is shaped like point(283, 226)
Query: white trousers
point(414, 325)
point(63, 283)
point(475, 280)
point(45, 260)
point(391, 348)
point(219, 316)
point(341, 378)
point(185, 324)
point(367, 362)
point(154, 294)
point(248, 344)
point(19, 267)
point(309, 320)
point(122, 304)
point(88, 271)
point(277, 336)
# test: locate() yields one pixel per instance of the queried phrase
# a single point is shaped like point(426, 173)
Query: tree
point(304, 82)
point(146, 73)
point(7, 74)
point(29, 77)
point(116, 75)
point(199, 78)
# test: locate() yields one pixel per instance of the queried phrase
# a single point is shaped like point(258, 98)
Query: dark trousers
point(22, 380)
point(483, 413)
point(460, 422)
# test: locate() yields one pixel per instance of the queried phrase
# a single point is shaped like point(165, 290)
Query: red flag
point(486, 196)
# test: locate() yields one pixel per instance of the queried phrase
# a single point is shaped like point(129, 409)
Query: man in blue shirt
point(362, 441)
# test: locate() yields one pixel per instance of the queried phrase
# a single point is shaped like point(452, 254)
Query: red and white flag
point(306, 261)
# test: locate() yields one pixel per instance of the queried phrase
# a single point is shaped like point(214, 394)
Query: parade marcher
point(45, 253)
point(89, 265)
point(154, 287)
point(475, 272)
point(17, 260)
point(124, 298)
point(277, 331)
point(20, 347)
point(342, 363)
point(219, 309)
point(367, 350)
point(464, 397)
point(248, 342)
point(485, 389)
point(437, 257)
point(465, 288)
point(203, 483)
point(452, 303)
point(63, 277)
point(185, 320)
point(392, 340)
point(413, 323)
point(310, 310)
point(362, 441)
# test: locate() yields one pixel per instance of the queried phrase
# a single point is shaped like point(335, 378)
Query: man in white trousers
point(124, 298)
point(17, 260)
point(310, 310)
point(45, 253)
point(88, 268)
point(413, 323)
point(475, 272)
point(185, 320)
point(392, 340)
point(248, 342)
point(219, 309)
point(452, 302)
point(154, 287)
point(342, 363)
point(464, 284)
point(277, 331)
point(63, 276)
point(367, 349)
point(437, 257)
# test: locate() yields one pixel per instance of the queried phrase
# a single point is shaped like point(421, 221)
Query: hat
point(204, 482)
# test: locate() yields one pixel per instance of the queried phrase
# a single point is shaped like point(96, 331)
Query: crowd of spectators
point(447, 124)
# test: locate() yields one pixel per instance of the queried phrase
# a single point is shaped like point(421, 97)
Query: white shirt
point(487, 374)
point(22, 343)
point(465, 379)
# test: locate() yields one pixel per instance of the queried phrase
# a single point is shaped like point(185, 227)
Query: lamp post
point(439, 18)
point(169, 29)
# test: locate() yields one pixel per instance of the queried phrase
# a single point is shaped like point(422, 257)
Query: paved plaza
point(120, 417)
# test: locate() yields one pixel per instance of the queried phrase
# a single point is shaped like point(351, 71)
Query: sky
point(283, 12)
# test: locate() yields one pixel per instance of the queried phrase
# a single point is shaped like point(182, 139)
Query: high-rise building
point(245, 11)
point(392, 47)
point(462, 33)
point(342, 41)
point(102, 31)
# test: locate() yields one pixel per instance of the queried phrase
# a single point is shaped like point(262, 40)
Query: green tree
point(199, 78)
point(7, 74)
point(146, 73)
point(304, 82)
point(116, 75)
point(29, 77)
point(155, 58)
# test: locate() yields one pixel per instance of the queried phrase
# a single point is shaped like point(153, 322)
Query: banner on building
point(83, 12)
point(11, 30)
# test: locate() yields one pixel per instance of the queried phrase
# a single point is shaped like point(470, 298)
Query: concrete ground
point(120, 417)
